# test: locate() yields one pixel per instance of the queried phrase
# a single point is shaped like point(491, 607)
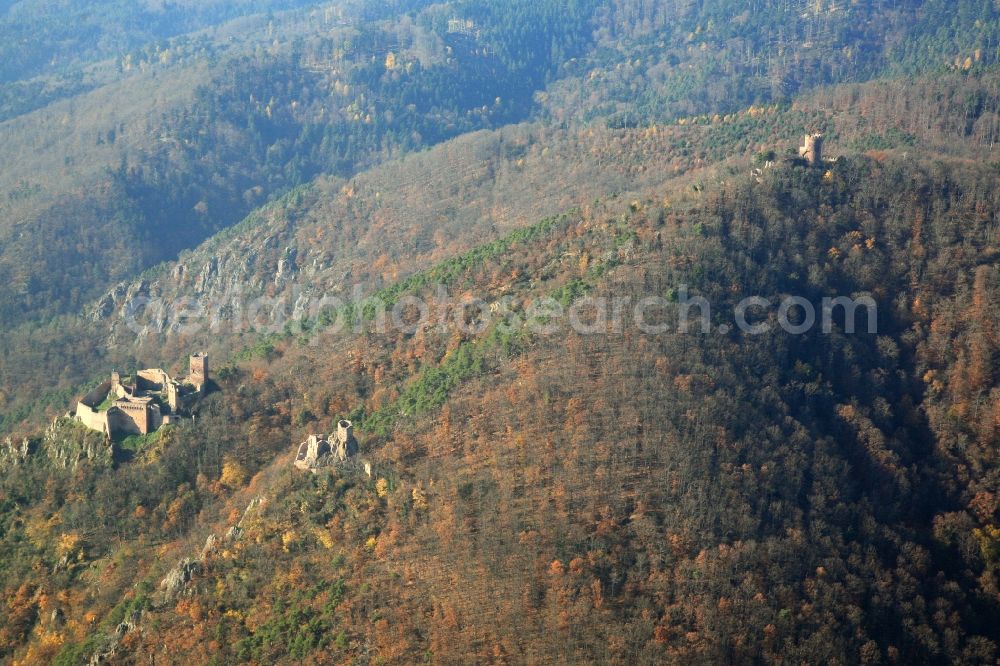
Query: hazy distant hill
point(48, 37)
point(336, 88)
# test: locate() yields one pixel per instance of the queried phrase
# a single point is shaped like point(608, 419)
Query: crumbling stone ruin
point(318, 451)
point(812, 150)
point(150, 400)
point(458, 26)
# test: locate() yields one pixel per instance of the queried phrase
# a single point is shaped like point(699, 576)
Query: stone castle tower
point(347, 446)
point(198, 374)
point(345, 431)
point(812, 149)
point(319, 451)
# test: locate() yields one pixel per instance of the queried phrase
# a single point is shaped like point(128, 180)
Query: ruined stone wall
point(119, 391)
point(173, 397)
point(128, 418)
point(198, 370)
point(155, 418)
point(97, 396)
point(94, 420)
point(152, 379)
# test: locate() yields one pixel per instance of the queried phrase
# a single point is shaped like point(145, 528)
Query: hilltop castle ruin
point(812, 150)
point(150, 400)
point(318, 451)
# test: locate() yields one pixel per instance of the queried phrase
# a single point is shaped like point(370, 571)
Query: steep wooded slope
point(559, 498)
point(339, 88)
point(616, 496)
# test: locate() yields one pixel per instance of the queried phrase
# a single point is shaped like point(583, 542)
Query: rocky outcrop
point(105, 308)
point(219, 284)
point(14, 453)
point(210, 545)
point(233, 534)
point(208, 274)
point(287, 268)
point(236, 532)
point(122, 295)
point(178, 577)
point(108, 653)
point(65, 444)
point(107, 304)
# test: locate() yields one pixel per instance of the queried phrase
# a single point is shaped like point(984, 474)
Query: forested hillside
point(46, 37)
point(526, 491)
point(316, 101)
point(338, 88)
point(638, 498)
point(399, 217)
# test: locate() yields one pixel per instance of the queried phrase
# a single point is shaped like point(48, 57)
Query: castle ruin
point(812, 150)
point(198, 371)
point(457, 26)
point(149, 401)
point(318, 451)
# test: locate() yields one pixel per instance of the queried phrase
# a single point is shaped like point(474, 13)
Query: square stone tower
point(347, 446)
point(198, 370)
point(812, 149)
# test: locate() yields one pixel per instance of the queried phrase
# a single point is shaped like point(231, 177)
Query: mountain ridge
point(552, 468)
